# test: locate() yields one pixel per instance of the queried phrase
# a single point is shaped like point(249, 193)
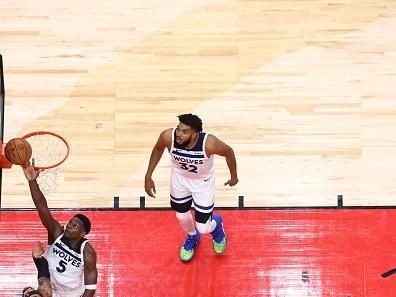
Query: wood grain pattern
point(303, 93)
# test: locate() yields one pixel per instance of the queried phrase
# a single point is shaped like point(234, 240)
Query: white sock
point(206, 228)
point(186, 221)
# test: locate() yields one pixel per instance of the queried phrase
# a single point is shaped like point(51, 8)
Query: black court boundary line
point(216, 208)
point(2, 103)
point(388, 273)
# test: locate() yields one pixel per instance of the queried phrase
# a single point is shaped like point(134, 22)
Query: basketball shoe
point(219, 237)
point(187, 250)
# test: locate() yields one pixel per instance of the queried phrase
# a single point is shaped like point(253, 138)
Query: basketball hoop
point(49, 151)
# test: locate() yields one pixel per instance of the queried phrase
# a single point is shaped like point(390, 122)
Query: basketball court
point(303, 93)
point(295, 253)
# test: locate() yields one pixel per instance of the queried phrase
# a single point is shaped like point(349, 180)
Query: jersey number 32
point(188, 167)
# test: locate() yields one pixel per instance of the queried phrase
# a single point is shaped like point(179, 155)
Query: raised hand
point(38, 250)
point(31, 173)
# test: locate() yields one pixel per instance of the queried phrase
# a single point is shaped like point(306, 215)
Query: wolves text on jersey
point(187, 160)
point(67, 257)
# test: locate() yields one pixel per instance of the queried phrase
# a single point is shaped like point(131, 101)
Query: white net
point(48, 150)
point(48, 181)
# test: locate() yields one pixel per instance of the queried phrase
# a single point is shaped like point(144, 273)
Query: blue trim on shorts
point(203, 207)
point(180, 199)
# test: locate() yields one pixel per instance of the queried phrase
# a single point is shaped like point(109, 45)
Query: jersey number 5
point(62, 266)
point(189, 167)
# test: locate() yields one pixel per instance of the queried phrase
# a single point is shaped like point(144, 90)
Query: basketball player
point(71, 259)
point(192, 180)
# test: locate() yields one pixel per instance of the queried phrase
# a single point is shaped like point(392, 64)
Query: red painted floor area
point(270, 253)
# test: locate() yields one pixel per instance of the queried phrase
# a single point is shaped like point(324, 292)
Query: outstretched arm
point(218, 147)
point(90, 271)
point(52, 226)
point(163, 141)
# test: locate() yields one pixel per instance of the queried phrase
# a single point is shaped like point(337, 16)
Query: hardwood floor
point(303, 93)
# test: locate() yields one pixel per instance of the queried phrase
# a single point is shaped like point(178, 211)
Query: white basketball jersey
point(192, 163)
point(66, 267)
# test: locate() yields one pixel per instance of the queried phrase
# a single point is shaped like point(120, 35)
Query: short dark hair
point(86, 222)
point(191, 120)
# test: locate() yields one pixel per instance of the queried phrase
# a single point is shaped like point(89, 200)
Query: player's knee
point(184, 216)
point(204, 228)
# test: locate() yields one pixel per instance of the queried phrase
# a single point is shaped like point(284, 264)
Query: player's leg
point(212, 223)
point(183, 214)
point(219, 236)
point(181, 201)
point(206, 221)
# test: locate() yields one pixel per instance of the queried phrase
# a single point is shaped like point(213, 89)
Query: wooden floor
point(302, 90)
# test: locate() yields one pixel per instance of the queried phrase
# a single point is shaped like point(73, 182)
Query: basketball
point(18, 151)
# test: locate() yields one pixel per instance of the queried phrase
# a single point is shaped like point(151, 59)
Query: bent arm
point(163, 141)
point(231, 163)
point(90, 270)
point(218, 147)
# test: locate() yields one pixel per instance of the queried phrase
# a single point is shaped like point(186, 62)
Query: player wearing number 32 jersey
point(191, 163)
point(192, 180)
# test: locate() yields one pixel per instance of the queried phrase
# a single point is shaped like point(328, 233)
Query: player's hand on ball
point(30, 172)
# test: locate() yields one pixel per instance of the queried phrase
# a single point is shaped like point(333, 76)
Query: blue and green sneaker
point(187, 250)
point(219, 237)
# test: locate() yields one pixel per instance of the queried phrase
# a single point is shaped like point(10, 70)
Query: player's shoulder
point(211, 139)
point(57, 231)
point(89, 255)
point(167, 131)
point(89, 249)
point(166, 135)
point(214, 145)
point(88, 245)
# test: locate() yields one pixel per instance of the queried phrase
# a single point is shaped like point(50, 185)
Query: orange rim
point(55, 135)
point(4, 163)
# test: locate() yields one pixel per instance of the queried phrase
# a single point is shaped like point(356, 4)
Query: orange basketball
point(18, 151)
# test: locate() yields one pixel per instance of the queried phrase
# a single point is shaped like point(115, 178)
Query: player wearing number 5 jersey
point(192, 180)
point(71, 259)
